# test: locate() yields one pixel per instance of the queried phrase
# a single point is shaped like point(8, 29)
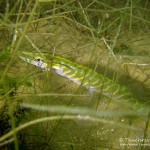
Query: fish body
point(82, 75)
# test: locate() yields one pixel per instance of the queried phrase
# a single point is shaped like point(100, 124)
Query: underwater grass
point(118, 25)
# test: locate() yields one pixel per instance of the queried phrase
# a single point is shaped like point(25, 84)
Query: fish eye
point(38, 59)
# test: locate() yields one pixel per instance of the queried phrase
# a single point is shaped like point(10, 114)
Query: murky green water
point(81, 42)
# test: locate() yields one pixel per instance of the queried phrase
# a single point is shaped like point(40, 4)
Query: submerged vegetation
point(40, 109)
